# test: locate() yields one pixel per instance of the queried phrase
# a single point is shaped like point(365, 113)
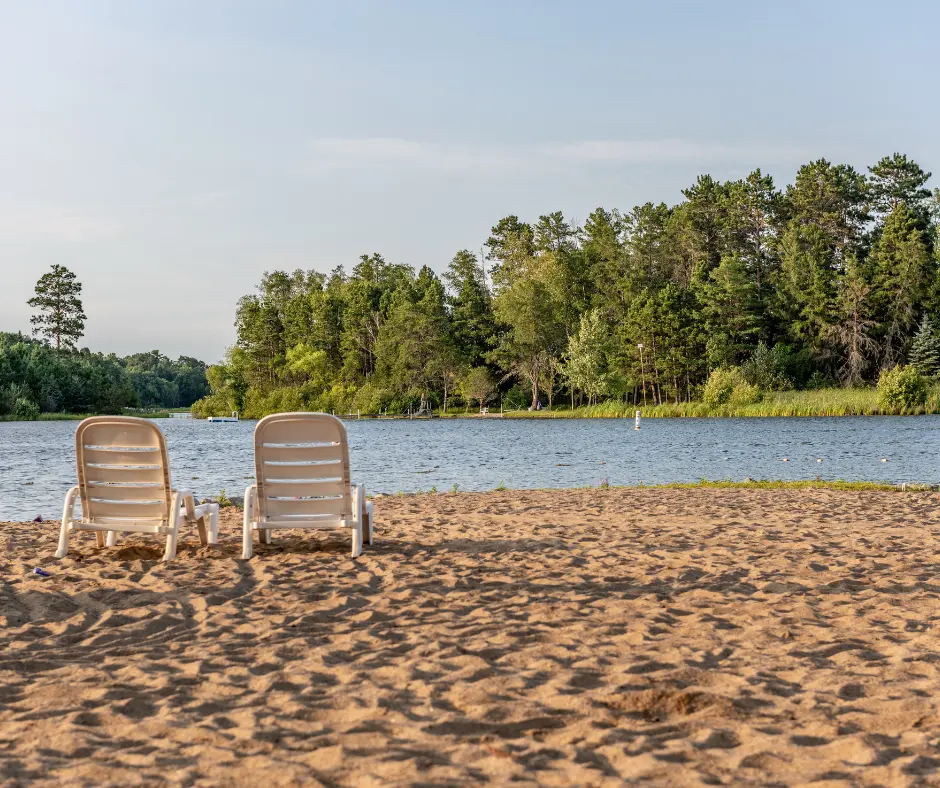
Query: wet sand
point(581, 637)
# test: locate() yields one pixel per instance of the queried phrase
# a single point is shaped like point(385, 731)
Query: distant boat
point(233, 417)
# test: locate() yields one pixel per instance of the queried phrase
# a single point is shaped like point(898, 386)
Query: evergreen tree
point(851, 333)
point(806, 285)
point(61, 319)
point(925, 349)
point(470, 305)
point(730, 305)
point(897, 179)
point(902, 272)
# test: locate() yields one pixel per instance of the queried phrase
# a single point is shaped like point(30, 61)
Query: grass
point(814, 484)
point(147, 414)
point(822, 402)
point(706, 484)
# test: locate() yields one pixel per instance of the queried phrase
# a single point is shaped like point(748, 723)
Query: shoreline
point(648, 413)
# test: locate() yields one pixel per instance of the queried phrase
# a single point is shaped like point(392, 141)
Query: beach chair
point(124, 485)
point(302, 480)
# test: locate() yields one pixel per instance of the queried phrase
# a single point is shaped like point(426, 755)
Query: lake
point(477, 454)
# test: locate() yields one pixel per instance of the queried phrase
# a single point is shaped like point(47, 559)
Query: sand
point(583, 637)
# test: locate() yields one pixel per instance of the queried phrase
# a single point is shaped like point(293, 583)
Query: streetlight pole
point(642, 372)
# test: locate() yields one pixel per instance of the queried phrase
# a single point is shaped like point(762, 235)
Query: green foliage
point(162, 383)
point(60, 381)
point(478, 385)
point(585, 365)
point(25, 410)
point(729, 387)
point(60, 318)
point(824, 281)
point(819, 402)
point(925, 349)
point(766, 368)
point(902, 388)
point(902, 269)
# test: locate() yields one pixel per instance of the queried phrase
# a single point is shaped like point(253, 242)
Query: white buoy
point(884, 459)
point(819, 460)
point(786, 459)
point(637, 421)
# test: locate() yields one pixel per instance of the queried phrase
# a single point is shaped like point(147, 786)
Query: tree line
point(51, 375)
point(828, 281)
point(35, 378)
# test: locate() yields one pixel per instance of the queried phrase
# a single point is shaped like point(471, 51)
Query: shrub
point(765, 368)
point(729, 387)
point(371, 399)
point(818, 381)
point(25, 410)
point(745, 394)
point(901, 388)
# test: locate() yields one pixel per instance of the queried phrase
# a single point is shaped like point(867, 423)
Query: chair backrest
point(302, 467)
point(123, 469)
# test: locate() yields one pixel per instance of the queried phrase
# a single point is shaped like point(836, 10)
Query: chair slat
point(102, 457)
point(300, 489)
point(131, 510)
point(297, 507)
point(302, 453)
point(118, 474)
point(131, 495)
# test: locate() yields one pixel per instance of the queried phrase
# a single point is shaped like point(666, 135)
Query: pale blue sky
point(179, 149)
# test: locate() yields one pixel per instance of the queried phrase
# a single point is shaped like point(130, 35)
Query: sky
point(170, 152)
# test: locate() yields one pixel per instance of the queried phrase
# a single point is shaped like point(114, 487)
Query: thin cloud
point(67, 227)
point(338, 153)
point(664, 151)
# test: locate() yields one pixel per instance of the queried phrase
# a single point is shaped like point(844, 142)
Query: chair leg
point(214, 523)
point(68, 511)
point(357, 540)
point(63, 549)
point(369, 525)
point(174, 524)
point(171, 537)
point(100, 538)
point(246, 530)
point(264, 535)
point(111, 541)
point(203, 530)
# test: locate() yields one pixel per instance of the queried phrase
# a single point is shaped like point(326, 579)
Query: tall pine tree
point(61, 319)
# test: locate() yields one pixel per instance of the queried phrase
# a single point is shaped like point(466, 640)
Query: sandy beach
point(581, 637)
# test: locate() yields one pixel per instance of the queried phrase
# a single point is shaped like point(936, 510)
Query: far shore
point(811, 404)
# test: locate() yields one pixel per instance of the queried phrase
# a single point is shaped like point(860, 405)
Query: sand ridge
point(581, 637)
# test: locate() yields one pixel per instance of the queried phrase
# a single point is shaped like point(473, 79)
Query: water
point(389, 456)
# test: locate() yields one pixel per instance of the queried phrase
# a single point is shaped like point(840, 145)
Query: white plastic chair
point(124, 485)
point(302, 473)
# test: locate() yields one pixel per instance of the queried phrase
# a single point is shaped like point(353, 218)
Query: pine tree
point(901, 268)
point(925, 349)
point(61, 319)
point(852, 329)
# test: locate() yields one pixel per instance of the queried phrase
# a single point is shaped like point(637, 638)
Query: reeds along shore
point(823, 402)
